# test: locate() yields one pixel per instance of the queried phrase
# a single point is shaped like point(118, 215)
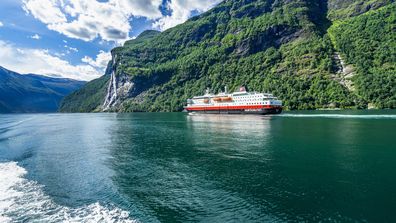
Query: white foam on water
point(25, 200)
point(339, 116)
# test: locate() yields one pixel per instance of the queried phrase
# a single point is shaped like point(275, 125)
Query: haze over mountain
point(33, 93)
point(311, 54)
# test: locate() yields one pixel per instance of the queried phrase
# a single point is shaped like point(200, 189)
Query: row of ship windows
point(252, 100)
point(254, 103)
point(258, 96)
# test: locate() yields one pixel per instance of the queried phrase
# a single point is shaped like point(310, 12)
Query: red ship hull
point(246, 109)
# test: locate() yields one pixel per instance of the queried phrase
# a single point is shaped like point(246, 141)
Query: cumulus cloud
point(181, 10)
point(40, 61)
point(110, 20)
point(36, 36)
point(89, 19)
point(101, 61)
point(47, 11)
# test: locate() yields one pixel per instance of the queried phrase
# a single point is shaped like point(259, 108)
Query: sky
point(73, 38)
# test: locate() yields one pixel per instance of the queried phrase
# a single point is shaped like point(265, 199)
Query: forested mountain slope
point(369, 43)
point(277, 46)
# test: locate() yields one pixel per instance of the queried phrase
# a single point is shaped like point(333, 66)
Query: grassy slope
point(368, 42)
point(344, 9)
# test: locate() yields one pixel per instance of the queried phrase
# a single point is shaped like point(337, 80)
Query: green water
point(172, 167)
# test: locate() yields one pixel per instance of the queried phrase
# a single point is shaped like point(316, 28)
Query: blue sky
point(73, 38)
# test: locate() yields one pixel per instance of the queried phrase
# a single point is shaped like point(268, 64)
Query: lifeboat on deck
point(226, 99)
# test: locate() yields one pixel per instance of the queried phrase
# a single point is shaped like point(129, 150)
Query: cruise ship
point(239, 102)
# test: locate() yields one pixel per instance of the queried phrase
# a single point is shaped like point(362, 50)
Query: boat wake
point(23, 200)
point(339, 116)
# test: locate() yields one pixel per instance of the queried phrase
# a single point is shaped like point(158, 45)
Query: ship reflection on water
point(243, 124)
point(234, 136)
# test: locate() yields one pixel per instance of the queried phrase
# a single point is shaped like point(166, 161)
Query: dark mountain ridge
point(33, 93)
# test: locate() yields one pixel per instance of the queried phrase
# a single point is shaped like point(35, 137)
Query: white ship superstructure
point(240, 102)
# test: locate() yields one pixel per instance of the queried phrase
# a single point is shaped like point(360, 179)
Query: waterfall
point(111, 96)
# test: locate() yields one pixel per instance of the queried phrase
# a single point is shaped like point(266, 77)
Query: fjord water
point(174, 167)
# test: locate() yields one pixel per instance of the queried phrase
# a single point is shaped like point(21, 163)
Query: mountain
point(33, 93)
point(310, 53)
point(89, 98)
point(368, 44)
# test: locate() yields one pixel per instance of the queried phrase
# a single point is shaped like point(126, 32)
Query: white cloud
point(36, 36)
point(110, 20)
point(101, 61)
point(181, 10)
point(40, 61)
point(47, 11)
point(89, 19)
point(1, 24)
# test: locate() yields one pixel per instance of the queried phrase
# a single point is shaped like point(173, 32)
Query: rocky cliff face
point(120, 88)
point(111, 96)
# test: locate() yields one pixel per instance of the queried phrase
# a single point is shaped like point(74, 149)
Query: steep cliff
point(278, 46)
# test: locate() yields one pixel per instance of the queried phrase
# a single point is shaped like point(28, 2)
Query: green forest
point(369, 43)
point(283, 47)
